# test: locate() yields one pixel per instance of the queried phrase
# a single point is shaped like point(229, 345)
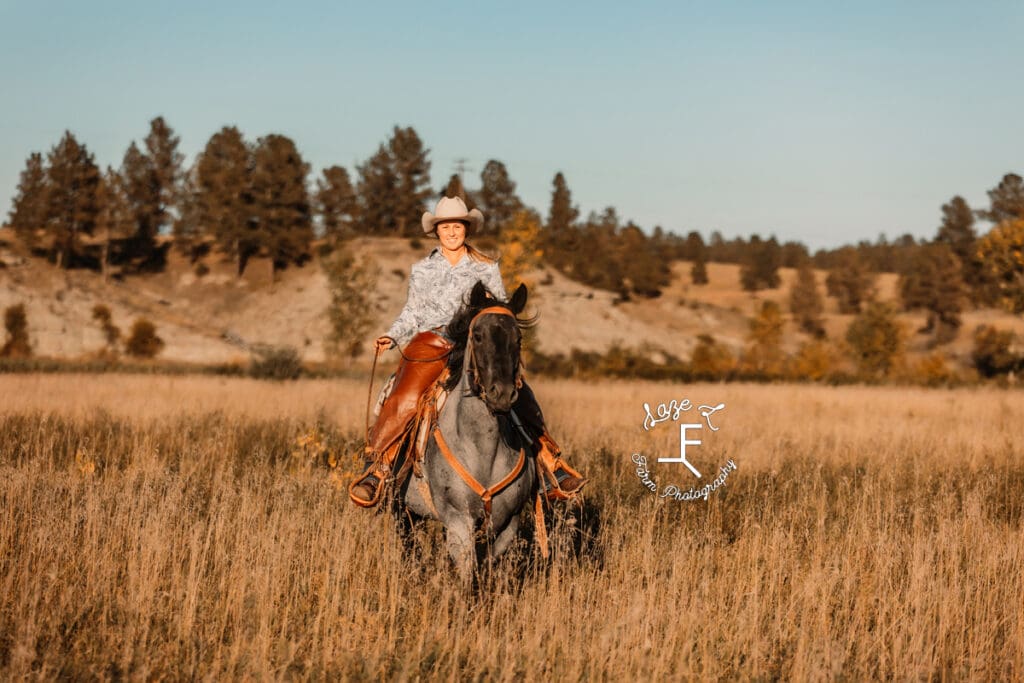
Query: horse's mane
point(458, 332)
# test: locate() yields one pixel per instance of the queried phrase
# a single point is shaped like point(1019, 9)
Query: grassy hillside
point(193, 311)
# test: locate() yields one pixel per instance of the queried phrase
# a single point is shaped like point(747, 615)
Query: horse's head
point(489, 352)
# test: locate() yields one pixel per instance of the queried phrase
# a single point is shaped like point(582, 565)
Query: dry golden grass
point(163, 528)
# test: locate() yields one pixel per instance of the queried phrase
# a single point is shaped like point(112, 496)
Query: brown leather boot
point(562, 481)
point(365, 491)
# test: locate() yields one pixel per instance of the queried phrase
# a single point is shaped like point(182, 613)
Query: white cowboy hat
point(452, 209)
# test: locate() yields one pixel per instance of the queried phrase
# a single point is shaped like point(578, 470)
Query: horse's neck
point(466, 420)
point(464, 409)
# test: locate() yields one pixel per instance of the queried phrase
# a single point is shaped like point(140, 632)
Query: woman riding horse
point(437, 286)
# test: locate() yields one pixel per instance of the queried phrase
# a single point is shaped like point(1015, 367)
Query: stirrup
point(553, 478)
point(375, 478)
point(556, 470)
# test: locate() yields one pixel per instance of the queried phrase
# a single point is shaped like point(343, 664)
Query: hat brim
point(474, 218)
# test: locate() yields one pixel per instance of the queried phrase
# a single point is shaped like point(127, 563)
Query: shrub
point(876, 340)
point(143, 341)
point(815, 360)
point(993, 352)
point(763, 356)
point(710, 359)
point(933, 371)
point(16, 324)
point(276, 362)
point(111, 333)
point(351, 283)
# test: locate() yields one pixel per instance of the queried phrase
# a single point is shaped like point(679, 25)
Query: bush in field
point(993, 352)
point(276, 362)
point(814, 360)
point(16, 324)
point(351, 282)
point(876, 340)
point(143, 341)
point(851, 281)
point(111, 333)
point(805, 301)
point(763, 356)
point(933, 370)
point(711, 359)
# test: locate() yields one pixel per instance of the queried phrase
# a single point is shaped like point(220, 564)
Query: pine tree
point(695, 250)
point(562, 215)
point(957, 230)
point(455, 188)
point(376, 190)
point(29, 208)
point(498, 197)
point(792, 254)
point(412, 173)
point(644, 270)
point(115, 220)
point(850, 281)
point(73, 178)
point(224, 197)
point(336, 204)
point(142, 192)
point(760, 267)
point(693, 247)
point(188, 230)
point(280, 201)
point(805, 301)
point(934, 283)
point(699, 271)
point(168, 172)
point(1006, 201)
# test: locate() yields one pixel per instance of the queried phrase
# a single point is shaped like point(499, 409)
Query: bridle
point(470, 355)
point(487, 493)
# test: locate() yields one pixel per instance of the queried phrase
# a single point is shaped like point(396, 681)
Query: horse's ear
point(478, 297)
point(518, 301)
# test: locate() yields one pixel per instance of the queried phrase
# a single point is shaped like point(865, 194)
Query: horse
point(482, 437)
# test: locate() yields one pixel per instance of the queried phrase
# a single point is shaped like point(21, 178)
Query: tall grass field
point(199, 527)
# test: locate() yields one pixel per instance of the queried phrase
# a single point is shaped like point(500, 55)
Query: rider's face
point(452, 234)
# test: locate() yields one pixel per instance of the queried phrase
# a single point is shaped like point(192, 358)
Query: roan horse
point(481, 436)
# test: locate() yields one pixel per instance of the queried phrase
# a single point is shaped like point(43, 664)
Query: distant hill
point(201, 317)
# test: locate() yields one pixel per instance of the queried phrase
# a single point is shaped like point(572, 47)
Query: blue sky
point(820, 122)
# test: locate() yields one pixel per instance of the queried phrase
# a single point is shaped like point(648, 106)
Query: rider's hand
point(384, 342)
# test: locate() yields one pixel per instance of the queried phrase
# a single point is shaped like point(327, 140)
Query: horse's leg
point(505, 538)
point(462, 548)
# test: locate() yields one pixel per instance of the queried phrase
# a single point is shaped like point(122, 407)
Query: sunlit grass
point(199, 527)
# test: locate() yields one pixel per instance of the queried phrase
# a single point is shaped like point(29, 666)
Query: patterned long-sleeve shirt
point(436, 291)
